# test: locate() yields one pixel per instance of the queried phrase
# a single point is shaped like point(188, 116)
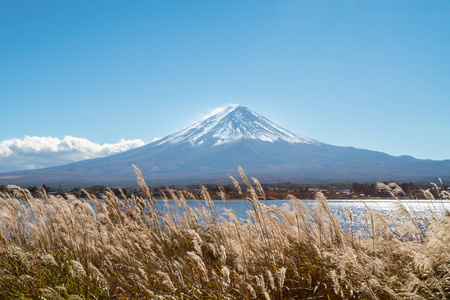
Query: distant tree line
point(272, 190)
point(370, 189)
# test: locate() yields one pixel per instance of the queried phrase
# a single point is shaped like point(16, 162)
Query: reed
point(110, 248)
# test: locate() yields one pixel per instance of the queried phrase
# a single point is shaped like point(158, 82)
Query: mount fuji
point(232, 124)
point(213, 147)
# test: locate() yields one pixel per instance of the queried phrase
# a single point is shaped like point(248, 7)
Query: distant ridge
point(234, 135)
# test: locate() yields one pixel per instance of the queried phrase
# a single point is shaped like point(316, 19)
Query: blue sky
point(369, 74)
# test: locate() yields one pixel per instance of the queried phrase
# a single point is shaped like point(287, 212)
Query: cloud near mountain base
point(33, 152)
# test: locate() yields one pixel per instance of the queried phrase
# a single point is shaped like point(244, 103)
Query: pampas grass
point(110, 248)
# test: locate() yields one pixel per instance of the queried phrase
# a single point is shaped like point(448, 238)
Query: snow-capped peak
point(230, 124)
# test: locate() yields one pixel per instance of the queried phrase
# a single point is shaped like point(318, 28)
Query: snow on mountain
point(231, 124)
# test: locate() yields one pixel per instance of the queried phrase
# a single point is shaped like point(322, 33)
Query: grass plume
point(111, 248)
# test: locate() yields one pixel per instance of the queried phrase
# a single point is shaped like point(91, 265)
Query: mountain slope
point(231, 124)
point(213, 147)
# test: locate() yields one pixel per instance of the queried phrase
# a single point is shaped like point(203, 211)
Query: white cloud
point(33, 152)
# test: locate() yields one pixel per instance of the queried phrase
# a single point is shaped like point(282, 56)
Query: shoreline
point(333, 200)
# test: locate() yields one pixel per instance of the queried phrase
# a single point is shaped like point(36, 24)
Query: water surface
point(338, 207)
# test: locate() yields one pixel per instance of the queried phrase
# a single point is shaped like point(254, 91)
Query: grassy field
point(57, 248)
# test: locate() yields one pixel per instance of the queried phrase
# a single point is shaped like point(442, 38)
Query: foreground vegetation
point(56, 248)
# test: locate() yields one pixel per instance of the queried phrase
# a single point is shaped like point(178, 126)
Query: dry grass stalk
point(125, 248)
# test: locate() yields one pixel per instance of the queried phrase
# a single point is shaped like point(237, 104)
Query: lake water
point(338, 207)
